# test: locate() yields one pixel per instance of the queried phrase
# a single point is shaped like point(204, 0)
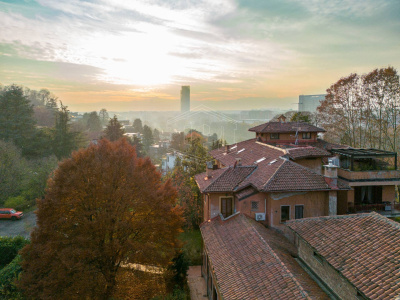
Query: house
point(245, 260)
point(355, 256)
point(169, 161)
point(278, 177)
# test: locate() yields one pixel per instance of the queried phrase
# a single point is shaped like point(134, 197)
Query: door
point(226, 207)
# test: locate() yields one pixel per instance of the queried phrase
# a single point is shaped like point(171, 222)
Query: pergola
point(354, 153)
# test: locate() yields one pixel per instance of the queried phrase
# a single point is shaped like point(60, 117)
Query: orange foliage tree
point(103, 208)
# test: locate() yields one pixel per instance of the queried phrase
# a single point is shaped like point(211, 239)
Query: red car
point(10, 213)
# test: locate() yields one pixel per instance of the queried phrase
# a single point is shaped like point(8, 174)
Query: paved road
point(20, 227)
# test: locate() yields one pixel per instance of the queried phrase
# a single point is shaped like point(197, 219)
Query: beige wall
point(337, 283)
point(244, 206)
point(214, 204)
point(314, 164)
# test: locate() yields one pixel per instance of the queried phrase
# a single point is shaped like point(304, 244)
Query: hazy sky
point(243, 54)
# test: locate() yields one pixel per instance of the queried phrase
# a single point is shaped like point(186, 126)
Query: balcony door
point(226, 206)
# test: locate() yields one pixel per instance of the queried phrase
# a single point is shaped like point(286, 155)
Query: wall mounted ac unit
point(260, 216)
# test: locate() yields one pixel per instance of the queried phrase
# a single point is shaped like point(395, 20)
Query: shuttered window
point(226, 207)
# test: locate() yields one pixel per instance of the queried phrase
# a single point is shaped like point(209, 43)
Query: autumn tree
point(114, 130)
point(104, 208)
point(178, 141)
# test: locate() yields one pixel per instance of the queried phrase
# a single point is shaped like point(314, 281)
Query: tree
point(94, 122)
point(136, 142)
point(114, 130)
point(104, 117)
point(147, 138)
point(104, 207)
point(301, 117)
point(156, 135)
point(17, 123)
point(64, 139)
point(137, 126)
point(178, 141)
point(362, 110)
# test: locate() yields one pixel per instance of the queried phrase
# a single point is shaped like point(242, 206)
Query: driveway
point(21, 227)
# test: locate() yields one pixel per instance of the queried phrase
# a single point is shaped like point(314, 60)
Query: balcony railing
point(369, 175)
point(388, 207)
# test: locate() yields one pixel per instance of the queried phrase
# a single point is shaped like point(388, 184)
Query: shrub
point(9, 247)
point(18, 203)
point(8, 275)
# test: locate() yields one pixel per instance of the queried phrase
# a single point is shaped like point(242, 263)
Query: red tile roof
point(286, 127)
point(203, 181)
point(364, 248)
point(229, 179)
point(294, 177)
point(244, 265)
point(273, 172)
point(303, 152)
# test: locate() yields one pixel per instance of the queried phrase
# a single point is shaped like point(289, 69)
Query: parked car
point(10, 213)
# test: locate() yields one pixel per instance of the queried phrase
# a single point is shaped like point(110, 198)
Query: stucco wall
point(244, 206)
point(388, 193)
point(326, 272)
point(315, 204)
point(214, 208)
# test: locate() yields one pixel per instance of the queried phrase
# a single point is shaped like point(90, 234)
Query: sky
point(235, 54)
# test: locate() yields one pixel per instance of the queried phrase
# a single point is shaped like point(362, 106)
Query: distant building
point(310, 102)
point(185, 98)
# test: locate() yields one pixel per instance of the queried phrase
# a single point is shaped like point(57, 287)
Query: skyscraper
point(185, 98)
point(310, 102)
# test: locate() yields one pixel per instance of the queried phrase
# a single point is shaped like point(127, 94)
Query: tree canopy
point(104, 207)
point(114, 130)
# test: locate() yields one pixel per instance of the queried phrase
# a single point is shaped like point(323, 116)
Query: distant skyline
point(243, 54)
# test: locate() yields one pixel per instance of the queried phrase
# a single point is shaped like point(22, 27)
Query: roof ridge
point(272, 147)
point(272, 252)
point(255, 168)
point(215, 179)
point(361, 215)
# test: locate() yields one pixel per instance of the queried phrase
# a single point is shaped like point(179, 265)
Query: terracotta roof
point(303, 152)
point(279, 127)
point(229, 179)
point(364, 248)
point(294, 177)
point(246, 192)
point(328, 146)
point(248, 151)
point(203, 181)
point(244, 265)
point(273, 172)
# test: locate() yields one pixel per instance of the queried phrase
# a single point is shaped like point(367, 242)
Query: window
point(306, 135)
point(226, 206)
point(298, 211)
point(254, 206)
point(368, 195)
point(285, 213)
point(274, 136)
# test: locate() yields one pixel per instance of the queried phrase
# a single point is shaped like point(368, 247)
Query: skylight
point(260, 160)
point(272, 162)
point(241, 150)
point(234, 147)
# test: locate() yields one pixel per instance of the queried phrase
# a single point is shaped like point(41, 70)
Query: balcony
point(385, 208)
point(379, 175)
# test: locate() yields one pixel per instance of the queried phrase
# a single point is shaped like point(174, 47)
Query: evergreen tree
point(147, 139)
point(114, 130)
point(17, 123)
point(104, 117)
point(64, 139)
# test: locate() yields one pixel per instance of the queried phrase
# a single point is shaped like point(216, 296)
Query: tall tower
point(185, 98)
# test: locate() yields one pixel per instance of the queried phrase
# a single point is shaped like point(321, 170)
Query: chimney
point(238, 161)
point(330, 174)
point(226, 148)
point(209, 168)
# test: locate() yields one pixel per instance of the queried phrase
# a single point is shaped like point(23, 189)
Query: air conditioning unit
point(260, 216)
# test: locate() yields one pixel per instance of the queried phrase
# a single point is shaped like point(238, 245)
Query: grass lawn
point(192, 246)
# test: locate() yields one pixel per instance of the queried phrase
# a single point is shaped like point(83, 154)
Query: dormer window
point(306, 135)
point(274, 136)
